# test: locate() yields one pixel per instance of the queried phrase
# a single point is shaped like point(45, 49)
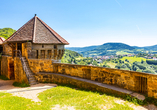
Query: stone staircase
point(30, 75)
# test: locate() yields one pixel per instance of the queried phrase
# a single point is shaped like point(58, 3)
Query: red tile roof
point(1, 40)
point(37, 31)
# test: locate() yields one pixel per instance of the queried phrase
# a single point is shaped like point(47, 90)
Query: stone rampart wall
point(48, 77)
point(7, 49)
point(18, 71)
point(7, 66)
point(40, 65)
point(12, 69)
point(135, 81)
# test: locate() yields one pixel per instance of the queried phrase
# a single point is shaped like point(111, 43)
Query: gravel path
point(28, 92)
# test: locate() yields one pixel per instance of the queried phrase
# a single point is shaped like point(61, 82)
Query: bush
point(151, 62)
point(147, 71)
point(3, 77)
point(118, 66)
point(128, 66)
point(123, 66)
point(141, 66)
point(23, 84)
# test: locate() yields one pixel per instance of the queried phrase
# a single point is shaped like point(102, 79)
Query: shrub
point(151, 62)
point(23, 84)
point(3, 77)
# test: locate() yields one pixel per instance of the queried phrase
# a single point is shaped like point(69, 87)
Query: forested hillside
point(110, 49)
point(136, 63)
point(113, 49)
point(6, 32)
point(70, 56)
point(81, 49)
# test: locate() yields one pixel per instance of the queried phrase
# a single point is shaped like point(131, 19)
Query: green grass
point(133, 59)
point(3, 77)
point(64, 97)
point(23, 84)
point(112, 65)
point(70, 96)
point(79, 58)
point(122, 53)
point(9, 102)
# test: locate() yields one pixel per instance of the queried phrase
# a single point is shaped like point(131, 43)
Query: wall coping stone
point(105, 67)
point(92, 82)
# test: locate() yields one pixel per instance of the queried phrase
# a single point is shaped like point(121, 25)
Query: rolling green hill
point(113, 49)
point(81, 49)
point(6, 32)
point(114, 46)
point(70, 56)
point(152, 48)
point(109, 49)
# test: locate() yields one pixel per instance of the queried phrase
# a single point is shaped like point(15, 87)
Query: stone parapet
point(89, 85)
point(135, 81)
point(40, 65)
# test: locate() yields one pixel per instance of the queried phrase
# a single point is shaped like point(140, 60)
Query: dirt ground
point(28, 92)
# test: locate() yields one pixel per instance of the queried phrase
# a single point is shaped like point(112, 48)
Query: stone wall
point(7, 68)
point(18, 71)
point(48, 77)
point(136, 81)
point(40, 65)
point(12, 69)
point(7, 49)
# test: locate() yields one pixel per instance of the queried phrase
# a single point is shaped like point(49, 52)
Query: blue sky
point(88, 22)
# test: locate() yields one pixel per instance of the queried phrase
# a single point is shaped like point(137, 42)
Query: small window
point(55, 46)
point(42, 46)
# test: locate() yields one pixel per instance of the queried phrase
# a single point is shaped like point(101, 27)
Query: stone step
point(26, 64)
point(33, 82)
point(31, 75)
point(31, 78)
point(28, 71)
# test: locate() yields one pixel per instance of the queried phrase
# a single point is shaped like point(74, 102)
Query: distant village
point(100, 59)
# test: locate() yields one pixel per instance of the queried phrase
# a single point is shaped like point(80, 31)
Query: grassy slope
point(121, 53)
point(133, 59)
point(112, 65)
point(64, 97)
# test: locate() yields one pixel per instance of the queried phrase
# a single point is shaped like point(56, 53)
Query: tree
point(95, 63)
point(118, 66)
point(142, 61)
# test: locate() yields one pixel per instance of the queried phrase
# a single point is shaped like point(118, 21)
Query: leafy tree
point(147, 71)
point(123, 66)
point(152, 62)
point(142, 61)
point(128, 66)
point(118, 66)
point(6, 32)
point(126, 60)
point(95, 63)
point(134, 67)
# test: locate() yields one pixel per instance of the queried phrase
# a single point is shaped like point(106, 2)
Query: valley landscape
point(78, 55)
point(115, 55)
point(110, 55)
